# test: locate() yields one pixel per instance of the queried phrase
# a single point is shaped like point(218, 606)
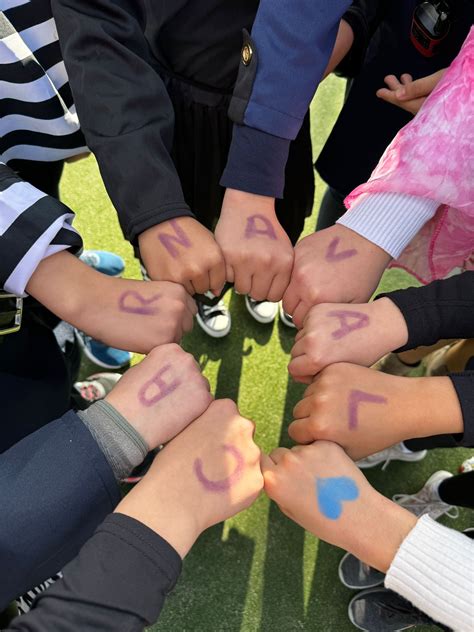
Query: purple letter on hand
point(360, 397)
point(133, 303)
point(333, 256)
point(156, 389)
point(226, 483)
point(253, 231)
point(168, 241)
point(360, 321)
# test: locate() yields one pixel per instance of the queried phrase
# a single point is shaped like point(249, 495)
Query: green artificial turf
point(259, 571)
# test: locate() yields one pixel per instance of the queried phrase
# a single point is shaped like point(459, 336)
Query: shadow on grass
point(283, 570)
point(212, 590)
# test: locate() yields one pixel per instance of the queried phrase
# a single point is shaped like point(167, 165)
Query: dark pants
point(458, 490)
point(36, 377)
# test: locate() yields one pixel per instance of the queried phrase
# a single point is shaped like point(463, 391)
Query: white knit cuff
point(389, 220)
point(434, 570)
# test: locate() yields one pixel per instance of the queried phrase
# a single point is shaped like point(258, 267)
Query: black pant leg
point(45, 176)
point(332, 208)
point(458, 490)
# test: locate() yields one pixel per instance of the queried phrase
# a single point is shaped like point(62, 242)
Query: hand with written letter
point(322, 490)
point(132, 315)
point(208, 473)
point(365, 411)
point(258, 253)
point(335, 265)
point(333, 333)
point(162, 395)
point(407, 93)
point(183, 251)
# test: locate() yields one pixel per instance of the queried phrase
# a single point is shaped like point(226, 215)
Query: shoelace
point(213, 310)
point(415, 501)
point(90, 392)
point(392, 610)
point(90, 258)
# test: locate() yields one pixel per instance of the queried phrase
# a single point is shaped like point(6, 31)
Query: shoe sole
point(355, 587)
point(368, 466)
point(257, 317)
point(212, 332)
point(94, 360)
point(286, 322)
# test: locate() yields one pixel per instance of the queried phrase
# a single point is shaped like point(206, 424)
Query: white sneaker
point(427, 500)
point(215, 320)
point(285, 318)
point(262, 311)
point(395, 453)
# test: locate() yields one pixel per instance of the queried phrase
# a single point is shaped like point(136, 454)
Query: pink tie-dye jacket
point(432, 157)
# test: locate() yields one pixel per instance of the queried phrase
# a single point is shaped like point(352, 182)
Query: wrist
point(394, 326)
point(439, 409)
point(236, 200)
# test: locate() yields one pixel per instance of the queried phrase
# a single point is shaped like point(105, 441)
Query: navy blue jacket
point(291, 44)
point(56, 488)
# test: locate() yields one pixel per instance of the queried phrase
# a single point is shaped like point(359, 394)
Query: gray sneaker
point(427, 500)
point(395, 453)
point(380, 609)
point(356, 575)
point(392, 364)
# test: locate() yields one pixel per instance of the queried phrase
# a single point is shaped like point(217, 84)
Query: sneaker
point(101, 354)
point(25, 602)
point(215, 320)
point(392, 364)
point(395, 453)
point(356, 575)
point(427, 500)
point(467, 465)
point(262, 311)
point(285, 318)
point(380, 609)
point(96, 386)
point(106, 262)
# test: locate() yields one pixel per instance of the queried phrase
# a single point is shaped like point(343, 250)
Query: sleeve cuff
point(256, 162)
point(464, 386)
point(389, 220)
point(432, 570)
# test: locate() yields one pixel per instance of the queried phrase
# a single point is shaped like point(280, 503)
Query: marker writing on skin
point(333, 256)
point(359, 319)
point(252, 229)
point(356, 398)
point(225, 483)
point(157, 389)
point(132, 302)
point(180, 238)
point(331, 493)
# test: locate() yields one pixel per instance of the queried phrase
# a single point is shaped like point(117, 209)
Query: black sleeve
point(364, 17)
point(119, 581)
point(124, 108)
point(464, 386)
point(442, 309)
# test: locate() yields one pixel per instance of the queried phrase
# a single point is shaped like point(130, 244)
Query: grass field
point(257, 572)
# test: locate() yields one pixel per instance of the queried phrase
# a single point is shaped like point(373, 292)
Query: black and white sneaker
point(215, 320)
point(262, 311)
point(356, 575)
point(380, 609)
point(285, 318)
point(25, 602)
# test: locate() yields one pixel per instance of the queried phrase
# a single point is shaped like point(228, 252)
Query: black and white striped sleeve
point(33, 226)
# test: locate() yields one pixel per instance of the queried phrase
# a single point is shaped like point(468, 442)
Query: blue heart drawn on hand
point(332, 492)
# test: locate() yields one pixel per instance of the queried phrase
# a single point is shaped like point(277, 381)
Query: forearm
point(389, 220)
point(93, 593)
point(306, 32)
point(133, 145)
point(430, 570)
point(441, 310)
point(64, 475)
point(33, 226)
point(343, 45)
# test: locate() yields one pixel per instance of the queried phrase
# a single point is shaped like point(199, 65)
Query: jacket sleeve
point(282, 64)
point(56, 487)
point(33, 226)
point(119, 581)
point(442, 309)
point(124, 108)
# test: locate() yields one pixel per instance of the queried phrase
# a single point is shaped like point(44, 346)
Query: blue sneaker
point(101, 354)
point(106, 262)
